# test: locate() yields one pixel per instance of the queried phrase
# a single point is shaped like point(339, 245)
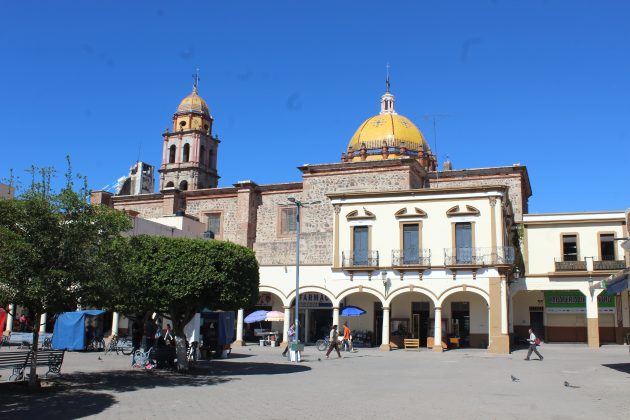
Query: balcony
point(609, 265)
point(570, 265)
point(411, 258)
point(502, 255)
point(359, 259)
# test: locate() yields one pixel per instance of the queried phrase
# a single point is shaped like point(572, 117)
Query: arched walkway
point(408, 313)
point(367, 328)
point(465, 317)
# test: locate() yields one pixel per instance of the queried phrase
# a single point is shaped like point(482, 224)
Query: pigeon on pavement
point(514, 378)
point(568, 385)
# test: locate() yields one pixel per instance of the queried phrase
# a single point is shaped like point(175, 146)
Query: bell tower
point(189, 153)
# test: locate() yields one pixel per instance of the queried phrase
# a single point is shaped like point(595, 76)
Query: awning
point(618, 283)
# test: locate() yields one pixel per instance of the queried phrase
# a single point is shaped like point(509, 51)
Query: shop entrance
point(320, 323)
point(420, 321)
point(537, 321)
point(315, 316)
point(460, 322)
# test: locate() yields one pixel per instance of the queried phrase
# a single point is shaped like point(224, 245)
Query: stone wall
point(199, 206)
point(146, 210)
point(316, 243)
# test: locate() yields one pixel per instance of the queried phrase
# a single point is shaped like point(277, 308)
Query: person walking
point(334, 341)
point(347, 338)
point(533, 343)
point(290, 337)
point(169, 338)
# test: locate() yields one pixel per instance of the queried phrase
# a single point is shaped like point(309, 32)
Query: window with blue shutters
point(360, 240)
point(411, 245)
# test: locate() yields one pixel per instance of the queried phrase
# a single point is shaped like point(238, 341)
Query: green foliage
point(178, 277)
point(54, 246)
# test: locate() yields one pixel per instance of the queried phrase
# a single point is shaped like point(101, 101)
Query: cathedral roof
point(193, 103)
point(392, 129)
point(388, 135)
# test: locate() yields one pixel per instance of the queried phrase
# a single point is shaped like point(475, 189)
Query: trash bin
point(293, 355)
point(262, 343)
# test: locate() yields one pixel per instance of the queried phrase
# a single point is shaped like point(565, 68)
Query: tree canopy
point(55, 248)
point(178, 277)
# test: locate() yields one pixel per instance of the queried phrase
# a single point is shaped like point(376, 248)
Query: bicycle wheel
point(111, 346)
point(321, 345)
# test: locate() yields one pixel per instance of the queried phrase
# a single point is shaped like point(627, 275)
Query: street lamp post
point(298, 204)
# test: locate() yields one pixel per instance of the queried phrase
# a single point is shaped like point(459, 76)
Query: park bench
point(412, 343)
point(53, 359)
point(20, 362)
point(25, 340)
point(14, 360)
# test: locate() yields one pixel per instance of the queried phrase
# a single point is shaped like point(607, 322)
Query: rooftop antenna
point(196, 79)
point(387, 78)
point(434, 117)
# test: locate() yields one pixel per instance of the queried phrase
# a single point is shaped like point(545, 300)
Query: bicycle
point(325, 343)
point(96, 344)
point(119, 345)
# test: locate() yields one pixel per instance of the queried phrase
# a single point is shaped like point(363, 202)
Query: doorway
point(537, 322)
point(420, 321)
point(460, 321)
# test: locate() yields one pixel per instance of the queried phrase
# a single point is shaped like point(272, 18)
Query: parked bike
point(325, 343)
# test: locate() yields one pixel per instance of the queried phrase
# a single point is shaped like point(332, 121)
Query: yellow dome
point(389, 129)
point(193, 103)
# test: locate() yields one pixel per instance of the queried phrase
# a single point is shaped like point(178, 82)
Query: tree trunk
point(33, 383)
point(180, 348)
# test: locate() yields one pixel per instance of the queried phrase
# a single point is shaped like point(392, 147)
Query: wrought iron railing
point(402, 257)
point(479, 256)
point(570, 265)
point(359, 259)
point(609, 265)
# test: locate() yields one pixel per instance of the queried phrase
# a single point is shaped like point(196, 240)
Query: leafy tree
point(55, 248)
point(178, 277)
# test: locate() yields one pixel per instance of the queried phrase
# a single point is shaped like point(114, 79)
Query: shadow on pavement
point(621, 367)
point(83, 394)
point(52, 403)
point(238, 356)
point(132, 380)
point(223, 368)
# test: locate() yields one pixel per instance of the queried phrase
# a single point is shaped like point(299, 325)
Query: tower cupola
point(189, 158)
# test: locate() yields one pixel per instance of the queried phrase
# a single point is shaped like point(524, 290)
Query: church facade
point(451, 258)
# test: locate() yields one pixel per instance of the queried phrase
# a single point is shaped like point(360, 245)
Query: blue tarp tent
point(224, 324)
point(70, 330)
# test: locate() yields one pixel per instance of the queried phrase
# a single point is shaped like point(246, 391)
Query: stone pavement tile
point(257, 383)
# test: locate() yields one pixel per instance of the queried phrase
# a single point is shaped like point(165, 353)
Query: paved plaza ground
point(257, 383)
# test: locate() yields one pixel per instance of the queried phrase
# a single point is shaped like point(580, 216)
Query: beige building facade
point(450, 258)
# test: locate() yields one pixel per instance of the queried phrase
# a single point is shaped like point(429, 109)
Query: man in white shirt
point(532, 345)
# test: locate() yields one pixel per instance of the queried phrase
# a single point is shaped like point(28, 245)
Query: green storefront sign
point(574, 302)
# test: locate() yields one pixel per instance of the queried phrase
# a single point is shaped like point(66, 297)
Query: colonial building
point(449, 257)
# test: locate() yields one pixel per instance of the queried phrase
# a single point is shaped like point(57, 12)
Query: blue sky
point(541, 83)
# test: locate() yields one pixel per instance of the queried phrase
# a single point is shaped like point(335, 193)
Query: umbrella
point(275, 316)
point(351, 311)
point(256, 316)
